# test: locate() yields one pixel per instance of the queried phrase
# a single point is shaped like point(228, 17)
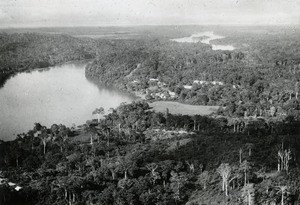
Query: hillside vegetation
point(252, 80)
point(135, 156)
point(246, 152)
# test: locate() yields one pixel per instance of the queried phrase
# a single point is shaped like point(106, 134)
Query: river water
point(205, 37)
point(60, 94)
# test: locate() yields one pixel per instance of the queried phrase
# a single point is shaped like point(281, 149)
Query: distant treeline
point(21, 52)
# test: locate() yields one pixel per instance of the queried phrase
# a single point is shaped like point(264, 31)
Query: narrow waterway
point(205, 37)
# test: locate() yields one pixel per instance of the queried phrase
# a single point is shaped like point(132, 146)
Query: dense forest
point(245, 153)
point(252, 80)
point(136, 156)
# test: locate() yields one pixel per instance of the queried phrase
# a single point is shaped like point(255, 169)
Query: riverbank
point(4, 76)
point(55, 95)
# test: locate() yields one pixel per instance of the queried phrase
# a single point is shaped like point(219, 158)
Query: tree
point(45, 138)
point(154, 175)
point(177, 183)
point(191, 167)
point(297, 89)
point(203, 179)
point(225, 171)
point(99, 112)
point(249, 146)
point(240, 155)
point(245, 166)
point(284, 156)
point(283, 190)
point(248, 192)
point(61, 133)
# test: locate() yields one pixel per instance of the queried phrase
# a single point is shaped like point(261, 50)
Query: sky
point(47, 13)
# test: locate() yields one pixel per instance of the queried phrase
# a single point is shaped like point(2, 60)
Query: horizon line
point(148, 25)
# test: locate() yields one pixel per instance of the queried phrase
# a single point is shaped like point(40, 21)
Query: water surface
point(61, 94)
point(206, 38)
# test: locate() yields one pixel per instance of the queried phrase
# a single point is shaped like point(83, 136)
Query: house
point(217, 83)
point(200, 82)
point(188, 87)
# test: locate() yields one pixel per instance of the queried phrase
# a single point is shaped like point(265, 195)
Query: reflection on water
point(206, 38)
point(61, 94)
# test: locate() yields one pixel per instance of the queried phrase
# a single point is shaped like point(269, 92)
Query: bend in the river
point(60, 94)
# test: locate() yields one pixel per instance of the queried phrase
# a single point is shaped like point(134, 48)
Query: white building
point(188, 87)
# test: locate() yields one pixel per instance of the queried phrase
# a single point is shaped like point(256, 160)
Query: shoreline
point(7, 75)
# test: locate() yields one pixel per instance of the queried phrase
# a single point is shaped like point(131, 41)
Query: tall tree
point(98, 112)
point(282, 190)
point(225, 171)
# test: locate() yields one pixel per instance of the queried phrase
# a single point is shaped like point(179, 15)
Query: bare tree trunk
point(223, 185)
point(125, 175)
point(91, 140)
point(249, 198)
point(245, 183)
point(226, 189)
point(108, 140)
point(44, 143)
point(240, 156)
point(113, 174)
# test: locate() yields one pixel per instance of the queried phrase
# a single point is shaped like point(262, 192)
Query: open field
point(184, 109)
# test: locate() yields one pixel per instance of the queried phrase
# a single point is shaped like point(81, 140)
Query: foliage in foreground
point(134, 156)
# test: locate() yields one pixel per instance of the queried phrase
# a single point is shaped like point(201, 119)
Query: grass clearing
point(184, 109)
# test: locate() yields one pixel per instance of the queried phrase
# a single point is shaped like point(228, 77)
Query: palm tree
point(98, 111)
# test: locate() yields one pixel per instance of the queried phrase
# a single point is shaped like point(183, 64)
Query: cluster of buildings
point(156, 90)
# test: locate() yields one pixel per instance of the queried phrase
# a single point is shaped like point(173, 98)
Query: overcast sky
point(35, 13)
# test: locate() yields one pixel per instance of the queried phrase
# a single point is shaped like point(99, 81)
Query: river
point(60, 94)
point(205, 37)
